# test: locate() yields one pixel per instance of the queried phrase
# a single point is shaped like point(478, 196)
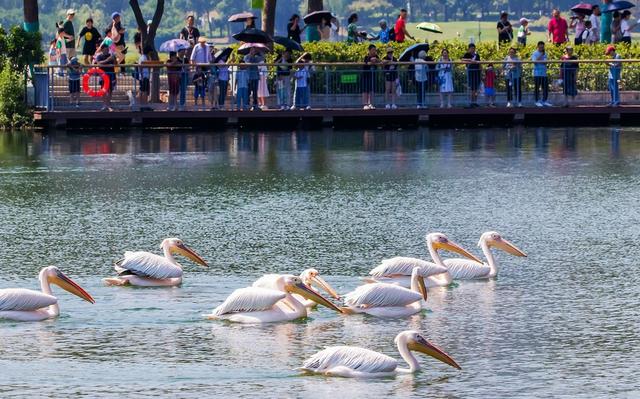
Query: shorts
point(390, 76)
point(473, 79)
point(71, 52)
point(74, 86)
point(367, 82)
point(489, 91)
point(144, 85)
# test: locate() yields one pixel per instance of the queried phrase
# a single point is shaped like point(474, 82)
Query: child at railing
point(75, 72)
point(61, 49)
point(489, 85)
point(212, 86)
point(242, 87)
point(445, 77)
point(615, 69)
point(263, 86)
point(143, 76)
point(199, 81)
point(513, 78)
point(301, 75)
point(283, 82)
point(174, 74)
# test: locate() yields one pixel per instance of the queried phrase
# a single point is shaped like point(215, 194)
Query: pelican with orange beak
point(253, 305)
point(145, 269)
point(309, 277)
point(355, 362)
point(398, 270)
point(21, 304)
point(464, 269)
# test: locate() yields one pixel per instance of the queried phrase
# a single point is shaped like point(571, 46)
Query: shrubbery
point(13, 107)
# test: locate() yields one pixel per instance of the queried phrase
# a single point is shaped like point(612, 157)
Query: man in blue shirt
point(615, 70)
point(385, 33)
point(540, 79)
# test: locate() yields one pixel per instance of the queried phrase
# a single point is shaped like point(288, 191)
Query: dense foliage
point(13, 107)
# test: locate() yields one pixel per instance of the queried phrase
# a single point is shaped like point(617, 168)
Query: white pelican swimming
point(355, 362)
point(309, 277)
point(464, 269)
point(20, 304)
point(145, 269)
point(265, 305)
point(388, 300)
point(398, 270)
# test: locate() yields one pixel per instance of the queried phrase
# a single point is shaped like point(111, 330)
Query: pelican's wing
point(359, 359)
point(466, 269)
point(21, 299)
point(250, 299)
point(381, 294)
point(146, 264)
point(403, 266)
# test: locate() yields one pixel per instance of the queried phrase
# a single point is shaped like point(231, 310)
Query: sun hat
point(202, 39)
point(389, 49)
point(523, 20)
point(115, 14)
point(71, 11)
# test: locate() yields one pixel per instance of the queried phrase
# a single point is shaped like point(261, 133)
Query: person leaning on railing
point(106, 61)
point(540, 79)
point(283, 79)
point(569, 75)
point(513, 78)
point(615, 69)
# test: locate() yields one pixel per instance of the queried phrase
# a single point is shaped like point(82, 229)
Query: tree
point(148, 35)
point(31, 23)
point(269, 16)
point(314, 5)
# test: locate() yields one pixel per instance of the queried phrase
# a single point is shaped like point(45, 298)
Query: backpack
point(392, 35)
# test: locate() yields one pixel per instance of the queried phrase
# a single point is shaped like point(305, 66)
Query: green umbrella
point(429, 27)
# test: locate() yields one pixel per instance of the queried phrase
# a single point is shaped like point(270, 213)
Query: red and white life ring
point(105, 82)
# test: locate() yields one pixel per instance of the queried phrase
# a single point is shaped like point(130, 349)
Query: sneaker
point(509, 105)
point(539, 104)
point(388, 106)
point(293, 108)
point(519, 105)
point(547, 104)
point(371, 106)
point(366, 107)
point(393, 106)
point(308, 107)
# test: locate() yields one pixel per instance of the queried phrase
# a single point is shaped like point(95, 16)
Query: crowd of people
point(212, 79)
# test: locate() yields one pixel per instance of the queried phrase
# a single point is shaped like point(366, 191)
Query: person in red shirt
point(557, 29)
point(401, 27)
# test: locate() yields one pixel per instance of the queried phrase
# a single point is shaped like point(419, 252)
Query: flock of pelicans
point(395, 288)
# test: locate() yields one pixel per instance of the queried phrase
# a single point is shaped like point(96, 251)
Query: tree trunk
point(314, 5)
point(269, 16)
point(148, 40)
point(31, 22)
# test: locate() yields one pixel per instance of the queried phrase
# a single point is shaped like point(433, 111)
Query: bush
point(13, 107)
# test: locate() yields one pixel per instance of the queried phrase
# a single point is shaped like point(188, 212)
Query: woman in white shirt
point(626, 27)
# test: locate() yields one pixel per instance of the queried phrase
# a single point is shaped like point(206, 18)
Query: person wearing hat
point(117, 35)
point(390, 78)
point(472, 59)
point(75, 72)
point(69, 33)
point(201, 53)
point(523, 32)
point(615, 70)
point(301, 76)
point(422, 79)
point(385, 35)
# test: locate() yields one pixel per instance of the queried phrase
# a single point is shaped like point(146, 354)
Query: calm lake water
point(563, 322)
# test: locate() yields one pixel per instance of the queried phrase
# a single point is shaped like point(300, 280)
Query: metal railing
point(336, 85)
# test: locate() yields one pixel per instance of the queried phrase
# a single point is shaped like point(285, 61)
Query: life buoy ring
point(105, 82)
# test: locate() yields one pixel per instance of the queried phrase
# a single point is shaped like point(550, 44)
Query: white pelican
point(145, 269)
point(355, 362)
point(20, 304)
point(398, 270)
point(388, 300)
point(309, 277)
point(265, 305)
point(463, 269)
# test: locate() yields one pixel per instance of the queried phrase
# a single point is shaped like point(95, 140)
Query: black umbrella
point(618, 6)
point(242, 17)
point(412, 51)
point(222, 54)
point(253, 35)
point(316, 17)
point(288, 43)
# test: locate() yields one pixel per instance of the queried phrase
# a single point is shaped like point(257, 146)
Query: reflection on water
point(561, 322)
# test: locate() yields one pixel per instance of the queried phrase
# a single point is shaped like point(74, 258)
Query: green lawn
point(464, 30)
